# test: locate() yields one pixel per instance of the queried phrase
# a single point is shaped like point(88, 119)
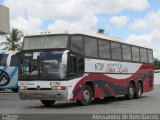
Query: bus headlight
point(58, 88)
point(22, 87)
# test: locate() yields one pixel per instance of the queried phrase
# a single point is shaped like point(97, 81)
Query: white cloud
point(70, 9)
point(115, 6)
point(150, 40)
point(149, 22)
point(29, 25)
point(84, 24)
point(50, 9)
point(79, 14)
point(139, 25)
point(138, 5)
point(150, 26)
point(119, 20)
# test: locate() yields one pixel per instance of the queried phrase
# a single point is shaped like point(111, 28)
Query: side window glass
point(14, 60)
point(143, 53)
point(116, 51)
point(150, 56)
point(80, 65)
point(104, 49)
point(72, 64)
point(135, 54)
point(77, 44)
point(90, 45)
point(3, 59)
point(126, 50)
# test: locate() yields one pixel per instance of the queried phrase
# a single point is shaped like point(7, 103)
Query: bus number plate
point(55, 83)
point(39, 95)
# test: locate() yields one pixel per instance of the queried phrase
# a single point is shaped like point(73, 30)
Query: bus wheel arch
point(87, 94)
point(89, 83)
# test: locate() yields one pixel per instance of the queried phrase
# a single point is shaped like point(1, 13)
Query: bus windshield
point(11, 58)
point(42, 65)
point(45, 42)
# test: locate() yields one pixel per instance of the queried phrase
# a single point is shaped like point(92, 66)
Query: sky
point(134, 21)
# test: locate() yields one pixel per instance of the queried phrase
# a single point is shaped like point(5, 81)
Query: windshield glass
point(42, 65)
point(45, 42)
point(3, 60)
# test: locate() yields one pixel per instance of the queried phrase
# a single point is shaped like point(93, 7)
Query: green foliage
point(157, 64)
point(101, 30)
point(13, 40)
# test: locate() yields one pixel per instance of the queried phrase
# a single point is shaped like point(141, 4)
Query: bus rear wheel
point(131, 91)
point(86, 96)
point(48, 102)
point(138, 90)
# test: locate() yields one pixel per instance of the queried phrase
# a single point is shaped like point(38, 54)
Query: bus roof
point(93, 34)
point(88, 33)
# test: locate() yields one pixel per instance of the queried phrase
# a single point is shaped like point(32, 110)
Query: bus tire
point(131, 91)
point(14, 90)
point(86, 96)
point(48, 102)
point(139, 90)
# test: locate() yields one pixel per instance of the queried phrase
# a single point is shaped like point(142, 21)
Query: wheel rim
point(139, 91)
point(131, 90)
point(86, 95)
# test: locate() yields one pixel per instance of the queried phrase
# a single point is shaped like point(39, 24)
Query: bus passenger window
point(104, 49)
point(150, 56)
point(135, 54)
point(77, 44)
point(90, 45)
point(3, 59)
point(116, 51)
point(143, 54)
point(126, 49)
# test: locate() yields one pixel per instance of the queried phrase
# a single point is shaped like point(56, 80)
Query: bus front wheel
point(86, 96)
point(48, 102)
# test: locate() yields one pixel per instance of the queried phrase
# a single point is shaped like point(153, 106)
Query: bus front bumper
point(58, 95)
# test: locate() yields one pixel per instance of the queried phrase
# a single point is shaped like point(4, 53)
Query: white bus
point(9, 70)
point(81, 67)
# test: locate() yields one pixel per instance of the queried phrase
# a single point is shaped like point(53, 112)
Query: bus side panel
point(77, 91)
point(148, 84)
point(117, 84)
point(12, 73)
point(147, 78)
point(104, 86)
point(98, 92)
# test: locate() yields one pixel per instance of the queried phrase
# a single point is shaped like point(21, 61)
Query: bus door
point(75, 66)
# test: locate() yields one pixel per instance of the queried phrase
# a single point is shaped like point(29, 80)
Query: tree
point(156, 64)
point(13, 40)
point(100, 30)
